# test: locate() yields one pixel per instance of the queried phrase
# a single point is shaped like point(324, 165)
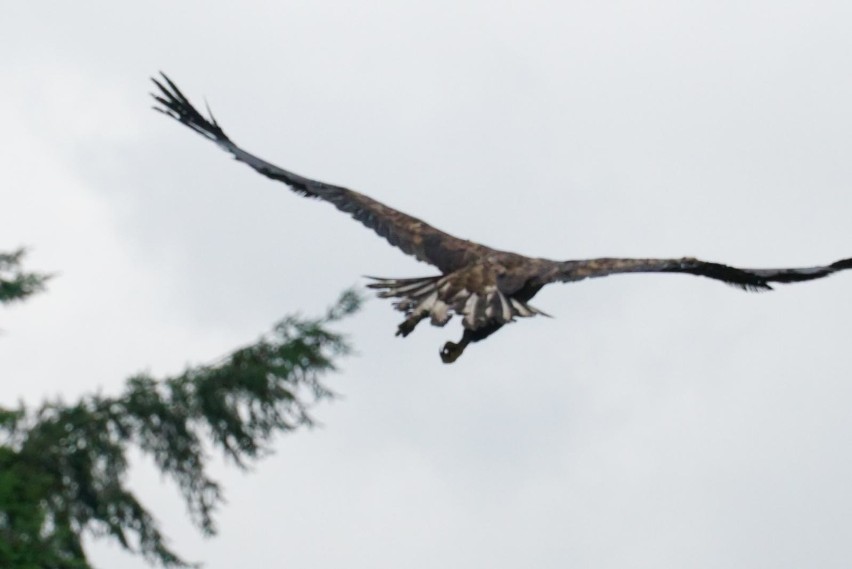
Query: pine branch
point(15, 283)
point(63, 467)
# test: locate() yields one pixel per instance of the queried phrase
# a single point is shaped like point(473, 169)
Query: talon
point(408, 325)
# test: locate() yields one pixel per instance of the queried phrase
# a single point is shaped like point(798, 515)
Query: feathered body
point(488, 288)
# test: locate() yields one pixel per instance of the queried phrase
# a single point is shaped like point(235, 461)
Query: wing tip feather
point(175, 104)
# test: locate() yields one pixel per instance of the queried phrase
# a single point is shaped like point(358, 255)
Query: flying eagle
point(487, 288)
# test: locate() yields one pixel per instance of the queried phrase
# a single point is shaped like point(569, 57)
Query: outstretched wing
point(410, 234)
point(748, 279)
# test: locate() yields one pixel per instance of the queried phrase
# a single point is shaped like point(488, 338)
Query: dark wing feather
point(748, 279)
point(410, 234)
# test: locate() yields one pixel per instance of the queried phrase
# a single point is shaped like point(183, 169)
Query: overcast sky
point(656, 421)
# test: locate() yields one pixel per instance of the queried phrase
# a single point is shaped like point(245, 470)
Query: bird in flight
point(486, 287)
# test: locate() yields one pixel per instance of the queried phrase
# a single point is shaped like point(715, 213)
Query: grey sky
point(657, 421)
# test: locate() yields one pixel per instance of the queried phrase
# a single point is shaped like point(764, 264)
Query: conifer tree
point(63, 466)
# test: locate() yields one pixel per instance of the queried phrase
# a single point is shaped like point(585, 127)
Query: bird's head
point(451, 352)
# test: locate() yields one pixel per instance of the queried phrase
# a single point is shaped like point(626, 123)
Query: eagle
point(486, 287)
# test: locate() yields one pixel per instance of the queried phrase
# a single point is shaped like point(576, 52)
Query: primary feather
point(488, 288)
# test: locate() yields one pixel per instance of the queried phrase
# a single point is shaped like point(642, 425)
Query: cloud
point(658, 420)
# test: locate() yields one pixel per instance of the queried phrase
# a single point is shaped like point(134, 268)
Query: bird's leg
point(409, 323)
point(452, 351)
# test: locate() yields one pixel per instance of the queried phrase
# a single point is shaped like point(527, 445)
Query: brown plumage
point(486, 287)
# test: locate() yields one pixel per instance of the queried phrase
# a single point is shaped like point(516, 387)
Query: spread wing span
point(485, 287)
point(411, 235)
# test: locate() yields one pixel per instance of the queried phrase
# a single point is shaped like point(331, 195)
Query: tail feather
point(437, 298)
